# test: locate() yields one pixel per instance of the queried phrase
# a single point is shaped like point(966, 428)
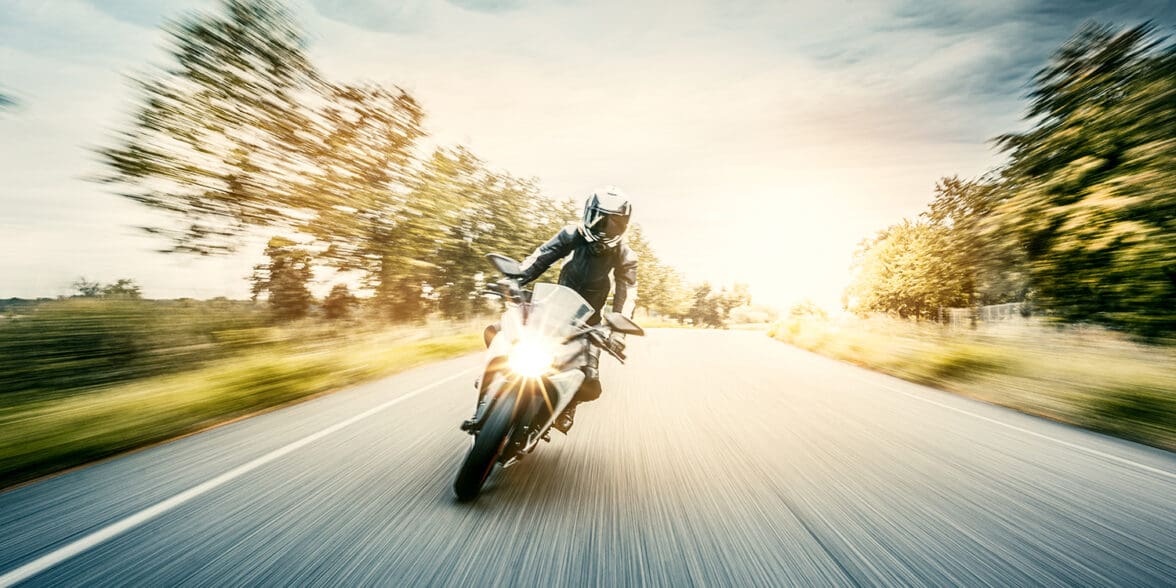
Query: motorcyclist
point(597, 250)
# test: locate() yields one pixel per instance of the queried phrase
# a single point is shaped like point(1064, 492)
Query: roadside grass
point(42, 434)
point(1084, 376)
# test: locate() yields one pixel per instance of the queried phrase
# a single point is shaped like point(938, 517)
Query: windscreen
point(557, 311)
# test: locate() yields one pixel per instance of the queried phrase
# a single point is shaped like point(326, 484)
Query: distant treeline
point(1081, 220)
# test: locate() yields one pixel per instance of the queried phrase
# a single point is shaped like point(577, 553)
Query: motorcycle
point(532, 371)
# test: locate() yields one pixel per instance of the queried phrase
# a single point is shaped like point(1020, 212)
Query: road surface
point(714, 458)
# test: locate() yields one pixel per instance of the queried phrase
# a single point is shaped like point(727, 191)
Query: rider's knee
point(489, 333)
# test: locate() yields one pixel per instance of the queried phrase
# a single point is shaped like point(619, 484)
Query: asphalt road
point(713, 458)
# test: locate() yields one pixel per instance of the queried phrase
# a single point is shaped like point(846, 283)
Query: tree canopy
point(214, 139)
point(1081, 221)
point(1090, 190)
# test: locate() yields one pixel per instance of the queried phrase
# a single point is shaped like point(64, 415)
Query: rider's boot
point(566, 419)
point(469, 424)
point(589, 390)
point(488, 335)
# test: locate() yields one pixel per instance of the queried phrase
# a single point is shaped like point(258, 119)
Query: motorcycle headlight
point(531, 358)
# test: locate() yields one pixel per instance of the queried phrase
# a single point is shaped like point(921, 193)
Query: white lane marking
point(1102, 454)
point(65, 552)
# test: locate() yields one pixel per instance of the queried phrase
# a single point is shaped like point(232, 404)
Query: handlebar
point(596, 337)
point(511, 289)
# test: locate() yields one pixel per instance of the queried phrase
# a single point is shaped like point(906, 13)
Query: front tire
point(488, 445)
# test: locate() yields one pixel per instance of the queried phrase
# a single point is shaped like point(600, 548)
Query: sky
point(759, 140)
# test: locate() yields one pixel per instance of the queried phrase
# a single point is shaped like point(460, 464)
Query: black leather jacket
point(586, 272)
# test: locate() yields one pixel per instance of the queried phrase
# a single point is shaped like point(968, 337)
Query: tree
point(215, 141)
point(86, 288)
point(339, 302)
point(907, 270)
point(809, 308)
point(753, 314)
point(990, 267)
point(477, 210)
point(661, 288)
point(284, 279)
point(362, 211)
point(124, 288)
point(706, 309)
point(738, 295)
point(1091, 188)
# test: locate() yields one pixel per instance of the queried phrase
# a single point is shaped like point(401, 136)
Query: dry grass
point(1080, 375)
point(40, 435)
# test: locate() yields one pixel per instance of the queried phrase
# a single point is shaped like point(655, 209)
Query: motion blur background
point(245, 202)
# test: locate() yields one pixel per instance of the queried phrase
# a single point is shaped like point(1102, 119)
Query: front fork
point(489, 388)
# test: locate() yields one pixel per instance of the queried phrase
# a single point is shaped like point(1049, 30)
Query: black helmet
point(606, 216)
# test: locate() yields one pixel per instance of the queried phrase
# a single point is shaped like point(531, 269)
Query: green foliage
point(240, 131)
point(951, 257)
point(660, 289)
point(1133, 410)
point(908, 270)
point(960, 361)
point(42, 435)
point(989, 265)
point(1091, 188)
point(284, 278)
point(86, 288)
point(712, 309)
point(216, 135)
point(123, 288)
point(1080, 221)
point(356, 194)
point(705, 310)
point(59, 346)
point(807, 308)
point(472, 210)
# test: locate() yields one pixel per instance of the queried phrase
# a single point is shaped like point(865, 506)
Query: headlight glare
point(531, 358)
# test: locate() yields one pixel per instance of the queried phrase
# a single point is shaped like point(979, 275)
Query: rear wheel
point(488, 445)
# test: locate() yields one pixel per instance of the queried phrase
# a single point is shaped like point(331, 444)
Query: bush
point(79, 343)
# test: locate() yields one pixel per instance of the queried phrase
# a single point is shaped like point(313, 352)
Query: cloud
point(150, 13)
point(393, 16)
point(491, 6)
point(1022, 33)
point(70, 31)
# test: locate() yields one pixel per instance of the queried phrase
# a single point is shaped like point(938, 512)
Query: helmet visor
point(609, 226)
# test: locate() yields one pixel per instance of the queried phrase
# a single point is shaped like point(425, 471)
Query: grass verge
point(40, 436)
point(1088, 377)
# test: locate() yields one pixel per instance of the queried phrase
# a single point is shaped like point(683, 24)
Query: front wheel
point(488, 445)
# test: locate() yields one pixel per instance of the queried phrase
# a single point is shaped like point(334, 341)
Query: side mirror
point(622, 324)
point(507, 266)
